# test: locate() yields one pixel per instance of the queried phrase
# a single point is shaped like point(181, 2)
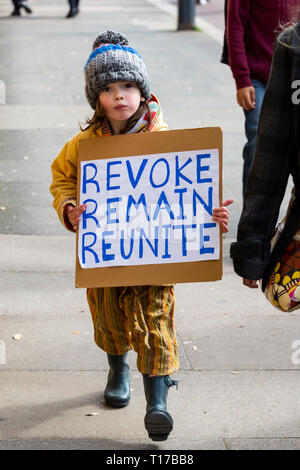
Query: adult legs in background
point(18, 4)
point(16, 10)
point(73, 8)
point(251, 127)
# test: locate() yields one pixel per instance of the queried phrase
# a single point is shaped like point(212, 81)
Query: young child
point(133, 317)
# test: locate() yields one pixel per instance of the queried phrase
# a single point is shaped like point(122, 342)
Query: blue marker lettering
point(181, 191)
point(110, 176)
point(166, 253)
point(124, 256)
point(154, 185)
point(208, 206)
point(163, 200)
point(112, 210)
point(86, 181)
point(202, 168)
point(178, 171)
point(183, 235)
point(89, 215)
point(107, 246)
point(88, 248)
point(154, 248)
point(131, 201)
point(205, 238)
point(134, 181)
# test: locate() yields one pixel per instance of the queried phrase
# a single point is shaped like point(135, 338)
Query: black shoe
point(158, 421)
point(24, 4)
point(73, 12)
point(15, 13)
point(73, 9)
point(117, 390)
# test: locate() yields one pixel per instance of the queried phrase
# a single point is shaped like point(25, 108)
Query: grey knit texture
point(110, 37)
point(114, 63)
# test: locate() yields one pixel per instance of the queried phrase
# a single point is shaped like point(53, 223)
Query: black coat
point(277, 156)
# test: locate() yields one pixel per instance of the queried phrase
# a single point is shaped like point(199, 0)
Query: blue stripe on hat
point(110, 47)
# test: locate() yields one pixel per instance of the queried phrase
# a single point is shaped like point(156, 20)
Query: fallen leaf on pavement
point(17, 337)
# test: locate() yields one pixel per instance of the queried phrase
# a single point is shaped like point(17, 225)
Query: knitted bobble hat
point(113, 60)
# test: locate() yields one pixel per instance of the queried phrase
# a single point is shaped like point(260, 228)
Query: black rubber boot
point(73, 9)
point(117, 390)
point(16, 12)
point(24, 4)
point(158, 421)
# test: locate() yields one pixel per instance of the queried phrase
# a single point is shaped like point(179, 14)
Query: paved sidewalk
point(238, 384)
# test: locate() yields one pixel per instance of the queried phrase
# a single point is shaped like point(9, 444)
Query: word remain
point(118, 210)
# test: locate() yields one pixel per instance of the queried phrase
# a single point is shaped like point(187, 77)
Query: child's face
point(120, 100)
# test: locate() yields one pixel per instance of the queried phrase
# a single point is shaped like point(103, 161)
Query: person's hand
point(246, 97)
point(74, 213)
point(250, 283)
point(221, 215)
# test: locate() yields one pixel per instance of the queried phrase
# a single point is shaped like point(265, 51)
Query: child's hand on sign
point(74, 213)
point(221, 215)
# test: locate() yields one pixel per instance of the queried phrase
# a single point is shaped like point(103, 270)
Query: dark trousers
point(16, 4)
point(251, 127)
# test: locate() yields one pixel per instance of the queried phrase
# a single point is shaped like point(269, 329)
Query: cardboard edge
point(218, 132)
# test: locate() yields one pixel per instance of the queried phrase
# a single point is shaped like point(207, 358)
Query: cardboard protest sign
point(149, 201)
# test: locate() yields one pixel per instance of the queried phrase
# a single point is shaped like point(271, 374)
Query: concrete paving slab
point(38, 254)
point(42, 117)
point(30, 220)
point(115, 445)
point(38, 145)
point(217, 404)
point(263, 444)
point(218, 338)
point(39, 294)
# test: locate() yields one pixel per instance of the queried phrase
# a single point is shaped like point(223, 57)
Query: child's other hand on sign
point(74, 214)
point(221, 215)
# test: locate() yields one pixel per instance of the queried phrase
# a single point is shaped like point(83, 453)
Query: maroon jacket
point(252, 26)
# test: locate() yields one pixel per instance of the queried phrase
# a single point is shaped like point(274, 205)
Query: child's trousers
point(139, 318)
